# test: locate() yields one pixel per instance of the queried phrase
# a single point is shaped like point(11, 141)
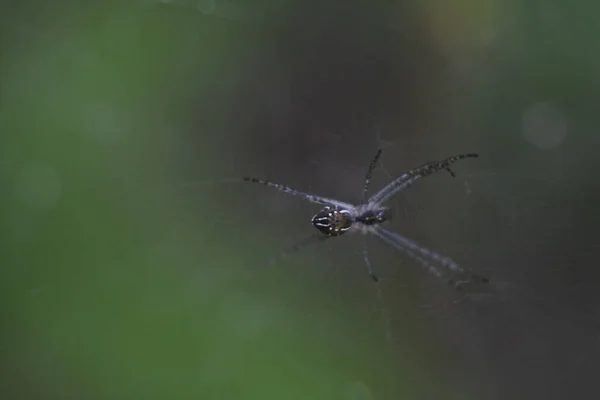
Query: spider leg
point(452, 174)
point(368, 262)
point(384, 313)
point(413, 175)
point(307, 196)
point(370, 173)
point(296, 247)
point(409, 244)
point(428, 259)
point(381, 233)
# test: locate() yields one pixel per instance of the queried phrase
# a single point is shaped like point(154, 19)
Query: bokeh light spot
point(544, 125)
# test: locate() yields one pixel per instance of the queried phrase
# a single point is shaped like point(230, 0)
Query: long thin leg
point(384, 313)
point(296, 247)
point(428, 259)
point(370, 173)
point(398, 246)
point(307, 196)
point(413, 175)
point(424, 252)
point(367, 262)
point(452, 174)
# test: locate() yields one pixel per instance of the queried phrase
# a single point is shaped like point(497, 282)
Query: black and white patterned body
point(335, 220)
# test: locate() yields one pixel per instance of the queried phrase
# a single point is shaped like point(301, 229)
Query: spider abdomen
point(333, 221)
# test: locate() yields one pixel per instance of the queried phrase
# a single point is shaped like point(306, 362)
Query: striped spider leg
point(427, 258)
point(342, 224)
point(384, 313)
point(411, 176)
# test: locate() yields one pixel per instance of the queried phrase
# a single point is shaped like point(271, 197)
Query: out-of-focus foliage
point(113, 285)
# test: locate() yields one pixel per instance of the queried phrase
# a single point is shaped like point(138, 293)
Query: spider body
point(338, 217)
point(333, 220)
point(369, 215)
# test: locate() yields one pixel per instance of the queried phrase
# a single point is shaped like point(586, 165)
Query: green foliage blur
point(112, 286)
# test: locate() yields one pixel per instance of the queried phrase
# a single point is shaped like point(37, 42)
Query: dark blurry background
point(131, 269)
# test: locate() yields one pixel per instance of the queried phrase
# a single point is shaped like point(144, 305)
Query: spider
point(337, 218)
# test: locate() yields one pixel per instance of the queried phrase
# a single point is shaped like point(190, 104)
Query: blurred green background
point(131, 269)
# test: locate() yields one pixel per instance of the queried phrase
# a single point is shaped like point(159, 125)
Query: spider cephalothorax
point(373, 216)
point(333, 221)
